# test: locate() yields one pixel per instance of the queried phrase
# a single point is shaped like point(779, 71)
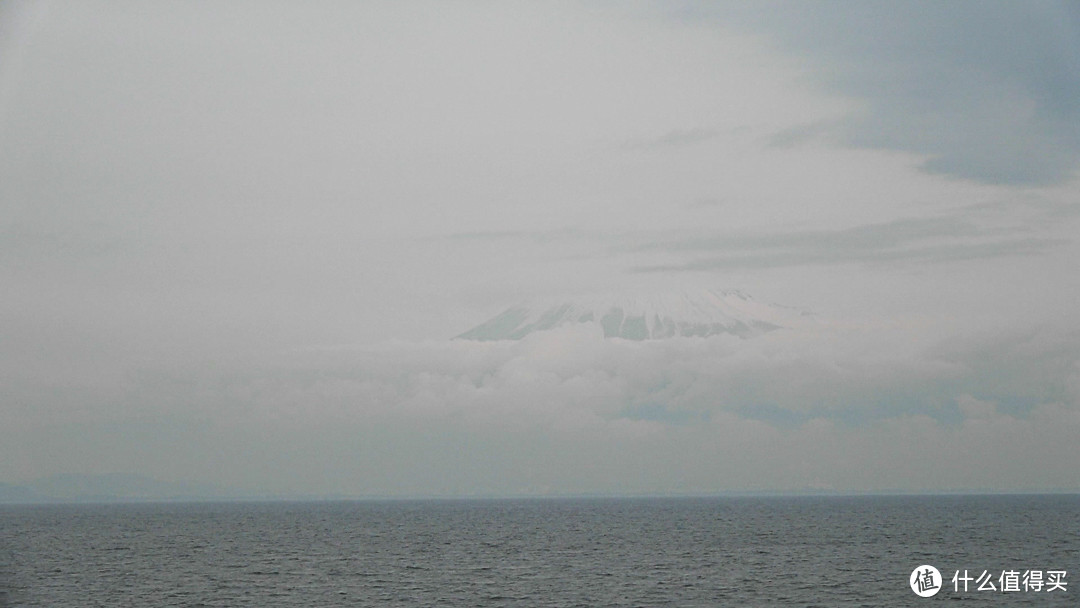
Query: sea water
point(789, 551)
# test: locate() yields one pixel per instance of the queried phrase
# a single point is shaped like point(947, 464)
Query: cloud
point(925, 240)
point(1014, 227)
point(538, 236)
point(799, 134)
point(676, 138)
point(985, 92)
point(567, 411)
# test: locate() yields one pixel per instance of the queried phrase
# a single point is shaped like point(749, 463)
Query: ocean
point(730, 551)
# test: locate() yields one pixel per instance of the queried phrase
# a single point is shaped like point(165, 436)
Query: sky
point(236, 239)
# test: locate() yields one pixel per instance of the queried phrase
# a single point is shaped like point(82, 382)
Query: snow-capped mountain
point(657, 316)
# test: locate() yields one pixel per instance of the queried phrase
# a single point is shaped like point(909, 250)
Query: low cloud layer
point(565, 411)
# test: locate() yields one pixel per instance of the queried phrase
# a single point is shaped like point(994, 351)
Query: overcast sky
point(235, 239)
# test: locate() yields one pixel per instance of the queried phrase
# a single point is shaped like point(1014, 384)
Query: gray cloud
point(964, 235)
point(802, 133)
point(933, 254)
point(538, 236)
point(942, 239)
point(988, 91)
point(676, 138)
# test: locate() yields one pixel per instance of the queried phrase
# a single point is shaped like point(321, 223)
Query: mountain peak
point(643, 317)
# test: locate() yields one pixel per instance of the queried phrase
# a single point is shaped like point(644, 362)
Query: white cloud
point(568, 411)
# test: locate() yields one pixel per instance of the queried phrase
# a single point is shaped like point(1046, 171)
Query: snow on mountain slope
point(651, 317)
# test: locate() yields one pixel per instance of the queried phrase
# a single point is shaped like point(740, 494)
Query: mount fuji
point(651, 317)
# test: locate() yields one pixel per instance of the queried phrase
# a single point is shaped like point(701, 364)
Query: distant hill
point(110, 487)
point(12, 493)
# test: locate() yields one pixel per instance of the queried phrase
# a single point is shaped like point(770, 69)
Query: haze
point(236, 239)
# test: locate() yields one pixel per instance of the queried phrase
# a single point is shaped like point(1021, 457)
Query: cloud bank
point(566, 411)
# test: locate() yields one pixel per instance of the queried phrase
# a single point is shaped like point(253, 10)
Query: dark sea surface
point(788, 551)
